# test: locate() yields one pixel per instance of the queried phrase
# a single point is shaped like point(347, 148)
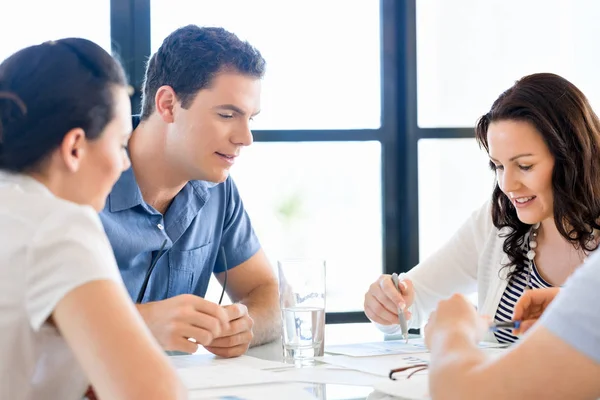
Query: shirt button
point(159, 226)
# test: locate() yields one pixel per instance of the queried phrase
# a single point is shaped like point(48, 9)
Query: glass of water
point(302, 301)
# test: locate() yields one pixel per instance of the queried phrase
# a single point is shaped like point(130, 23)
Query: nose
point(244, 136)
point(508, 181)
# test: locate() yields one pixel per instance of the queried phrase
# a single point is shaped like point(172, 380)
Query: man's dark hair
point(190, 57)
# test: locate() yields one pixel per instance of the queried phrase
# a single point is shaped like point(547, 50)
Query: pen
point(401, 317)
point(494, 326)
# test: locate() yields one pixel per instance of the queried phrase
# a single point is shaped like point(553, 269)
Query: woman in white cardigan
point(543, 140)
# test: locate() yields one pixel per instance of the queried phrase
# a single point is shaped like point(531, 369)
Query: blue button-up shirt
point(201, 219)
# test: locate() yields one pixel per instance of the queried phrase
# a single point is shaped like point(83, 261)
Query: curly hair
point(190, 57)
point(561, 113)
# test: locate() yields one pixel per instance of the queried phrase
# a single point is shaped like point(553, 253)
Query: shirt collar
point(126, 193)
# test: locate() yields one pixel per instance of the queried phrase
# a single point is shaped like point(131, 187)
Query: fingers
point(243, 338)
point(182, 344)
point(209, 308)
point(228, 352)
point(523, 305)
point(239, 325)
point(237, 339)
point(533, 302)
point(378, 313)
point(405, 287)
point(235, 311)
point(389, 296)
point(525, 326)
point(201, 336)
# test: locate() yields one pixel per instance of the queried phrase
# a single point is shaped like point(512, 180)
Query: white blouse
point(48, 247)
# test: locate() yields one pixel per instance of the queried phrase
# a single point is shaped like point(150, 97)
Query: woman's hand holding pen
point(383, 300)
point(531, 305)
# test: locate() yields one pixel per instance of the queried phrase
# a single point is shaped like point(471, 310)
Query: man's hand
point(531, 305)
point(175, 320)
point(234, 342)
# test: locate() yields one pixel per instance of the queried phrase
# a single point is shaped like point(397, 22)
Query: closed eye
point(525, 167)
point(226, 116)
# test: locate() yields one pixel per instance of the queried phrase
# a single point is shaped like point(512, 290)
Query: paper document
point(274, 391)
point(415, 388)
point(215, 376)
point(330, 374)
point(380, 365)
point(389, 347)
point(199, 360)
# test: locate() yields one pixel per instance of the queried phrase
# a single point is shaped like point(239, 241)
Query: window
point(28, 22)
point(328, 208)
point(470, 51)
point(317, 77)
point(454, 180)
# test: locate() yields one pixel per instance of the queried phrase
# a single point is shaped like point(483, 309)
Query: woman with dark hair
point(66, 318)
point(543, 141)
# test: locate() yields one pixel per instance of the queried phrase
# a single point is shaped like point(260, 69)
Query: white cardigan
point(470, 261)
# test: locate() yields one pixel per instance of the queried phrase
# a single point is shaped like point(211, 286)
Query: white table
point(334, 334)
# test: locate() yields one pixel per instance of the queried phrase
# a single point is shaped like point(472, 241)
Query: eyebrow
point(238, 110)
point(515, 157)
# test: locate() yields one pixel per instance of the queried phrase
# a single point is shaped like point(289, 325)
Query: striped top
point(514, 290)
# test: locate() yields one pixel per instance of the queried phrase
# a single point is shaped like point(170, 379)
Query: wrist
point(452, 338)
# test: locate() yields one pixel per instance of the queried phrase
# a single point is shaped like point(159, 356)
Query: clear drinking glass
point(302, 301)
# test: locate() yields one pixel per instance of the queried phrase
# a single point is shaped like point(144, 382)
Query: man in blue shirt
point(201, 90)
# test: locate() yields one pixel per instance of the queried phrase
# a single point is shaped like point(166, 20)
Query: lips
point(522, 201)
point(232, 156)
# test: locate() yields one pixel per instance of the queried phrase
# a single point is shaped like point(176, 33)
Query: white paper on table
point(382, 365)
point(379, 365)
point(415, 388)
point(330, 374)
point(215, 376)
point(203, 360)
point(389, 347)
point(287, 391)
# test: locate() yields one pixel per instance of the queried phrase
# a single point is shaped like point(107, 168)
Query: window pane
point(454, 180)
point(319, 76)
point(469, 51)
point(28, 22)
point(328, 208)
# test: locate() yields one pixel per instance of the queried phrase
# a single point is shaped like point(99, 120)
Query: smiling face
point(523, 165)
point(204, 139)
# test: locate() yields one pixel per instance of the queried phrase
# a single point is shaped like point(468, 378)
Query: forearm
point(453, 370)
point(263, 308)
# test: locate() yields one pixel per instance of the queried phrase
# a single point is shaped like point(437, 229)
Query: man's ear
point(164, 102)
point(73, 149)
